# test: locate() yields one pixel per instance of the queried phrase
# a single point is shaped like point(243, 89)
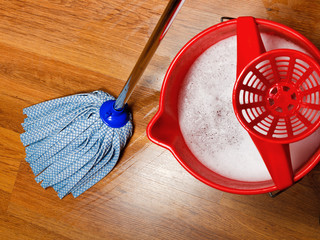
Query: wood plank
point(51, 49)
point(10, 158)
point(14, 228)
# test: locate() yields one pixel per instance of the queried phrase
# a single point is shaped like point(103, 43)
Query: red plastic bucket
point(164, 128)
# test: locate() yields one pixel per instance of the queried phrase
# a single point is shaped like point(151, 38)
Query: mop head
point(68, 146)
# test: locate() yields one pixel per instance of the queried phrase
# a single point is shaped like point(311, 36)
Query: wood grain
point(56, 48)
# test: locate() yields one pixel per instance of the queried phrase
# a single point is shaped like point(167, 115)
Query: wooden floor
point(50, 49)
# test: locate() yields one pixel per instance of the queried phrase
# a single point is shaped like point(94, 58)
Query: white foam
point(207, 121)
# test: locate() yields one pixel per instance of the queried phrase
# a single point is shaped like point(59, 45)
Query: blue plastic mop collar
point(114, 118)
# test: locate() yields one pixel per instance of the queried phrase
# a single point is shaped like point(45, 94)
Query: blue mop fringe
point(68, 146)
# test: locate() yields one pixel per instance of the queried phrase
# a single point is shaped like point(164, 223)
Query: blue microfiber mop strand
point(68, 146)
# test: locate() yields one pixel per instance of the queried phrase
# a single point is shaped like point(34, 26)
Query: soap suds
point(206, 117)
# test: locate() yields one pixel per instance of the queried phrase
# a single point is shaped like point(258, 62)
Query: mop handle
point(157, 35)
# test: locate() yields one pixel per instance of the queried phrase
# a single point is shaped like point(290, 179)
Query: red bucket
point(164, 128)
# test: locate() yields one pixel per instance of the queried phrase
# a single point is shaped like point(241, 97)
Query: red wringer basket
point(276, 98)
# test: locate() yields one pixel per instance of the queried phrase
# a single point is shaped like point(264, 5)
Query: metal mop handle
point(157, 35)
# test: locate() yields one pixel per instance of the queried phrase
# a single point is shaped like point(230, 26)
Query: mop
point(75, 141)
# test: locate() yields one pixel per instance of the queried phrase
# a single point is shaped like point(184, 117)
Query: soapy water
point(209, 125)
